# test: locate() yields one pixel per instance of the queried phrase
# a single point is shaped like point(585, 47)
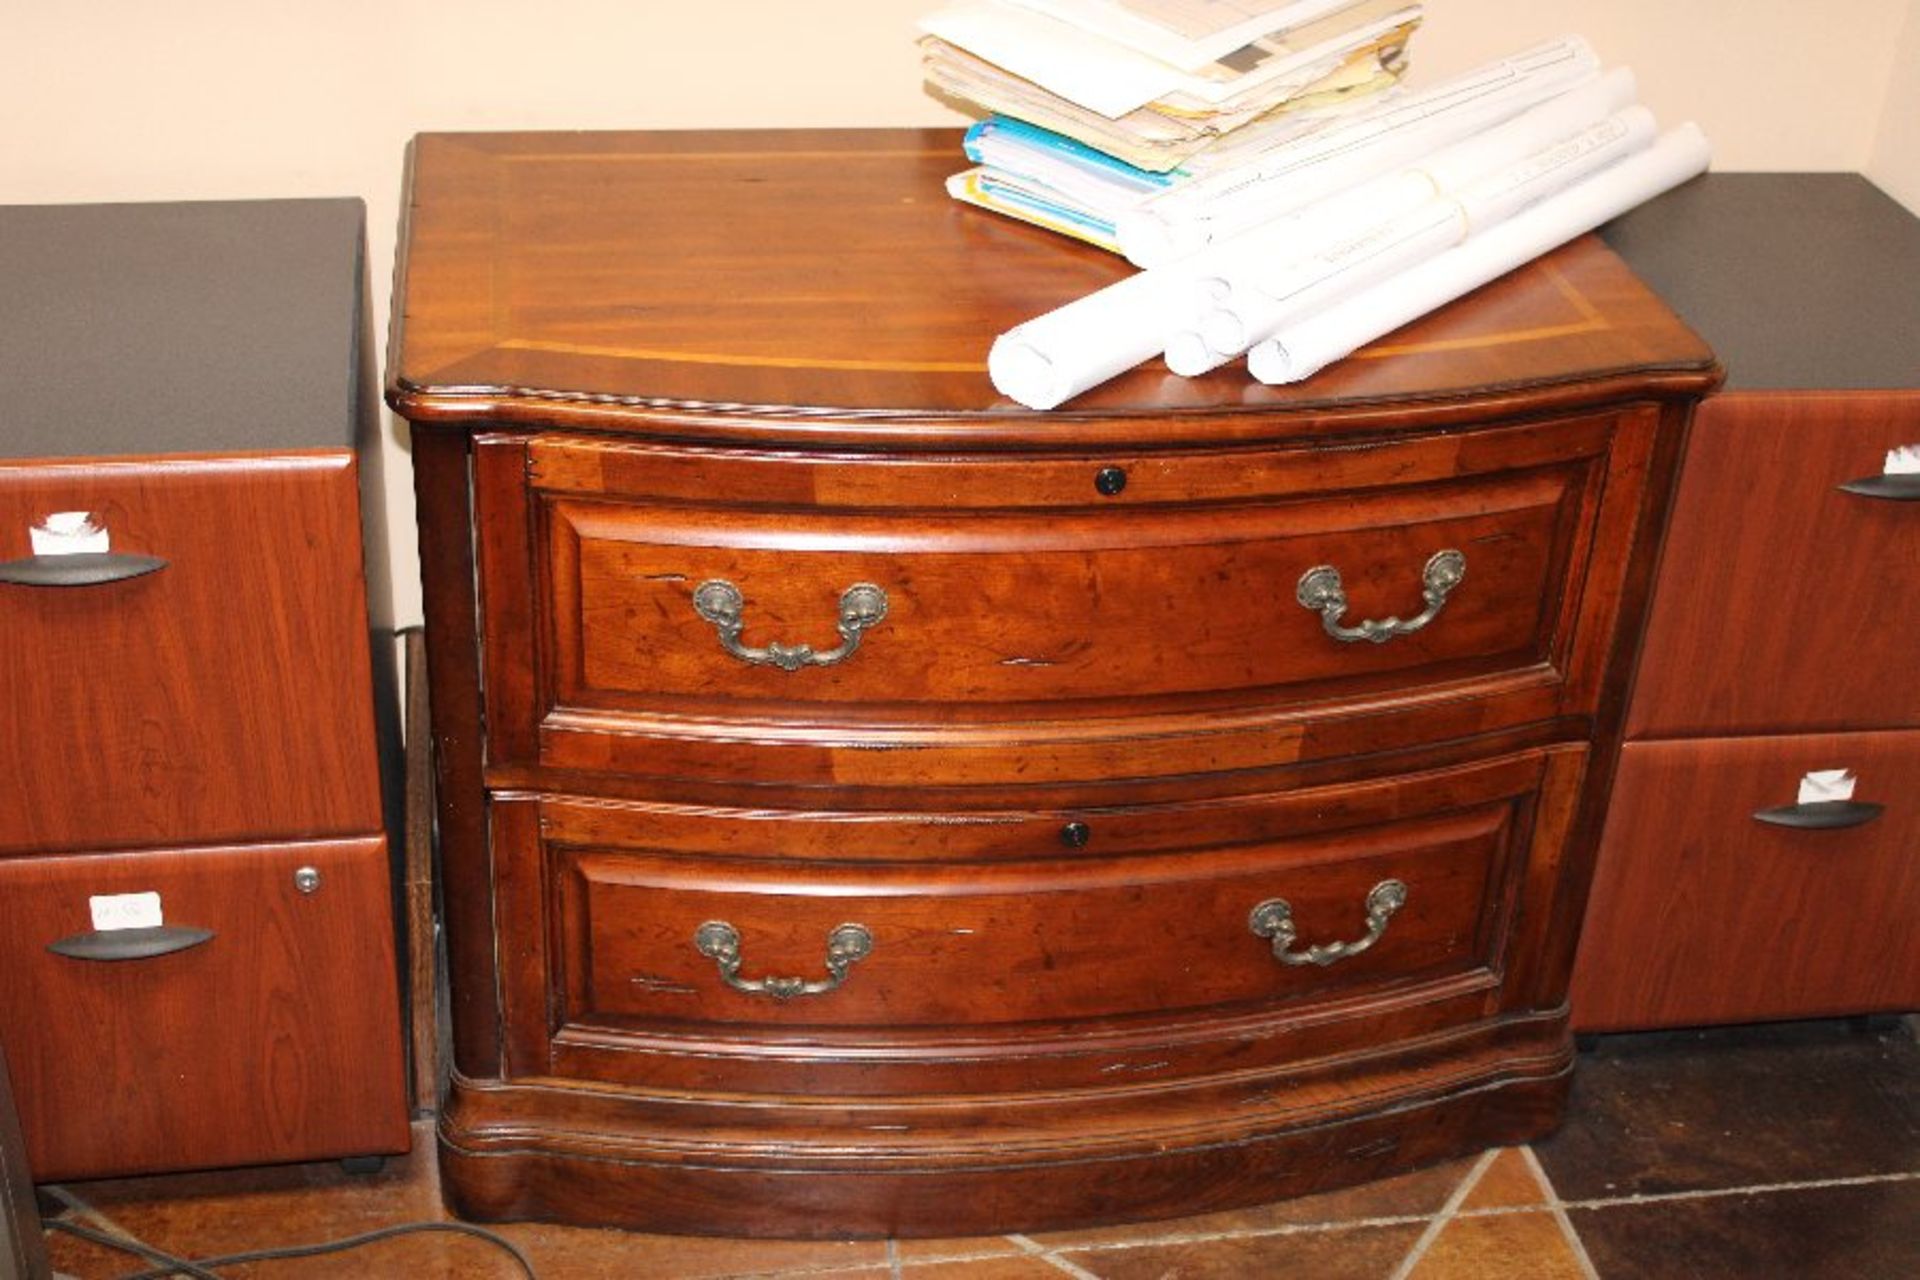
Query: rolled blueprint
point(1243, 304)
point(1278, 297)
point(1214, 206)
point(1056, 356)
point(1344, 213)
point(1309, 345)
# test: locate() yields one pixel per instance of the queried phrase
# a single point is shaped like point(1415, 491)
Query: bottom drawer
point(696, 934)
point(260, 1022)
point(1702, 912)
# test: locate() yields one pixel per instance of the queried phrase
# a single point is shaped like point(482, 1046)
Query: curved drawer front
point(1270, 907)
point(879, 603)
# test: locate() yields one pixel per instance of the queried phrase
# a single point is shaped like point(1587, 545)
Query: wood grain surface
point(277, 1039)
point(181, 707)
point(1701, 914)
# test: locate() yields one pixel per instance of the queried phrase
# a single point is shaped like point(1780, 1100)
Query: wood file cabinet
point(869, 807)
point(1782, 636)
point(196, 927)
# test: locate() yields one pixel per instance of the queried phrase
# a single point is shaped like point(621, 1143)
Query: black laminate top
point(213, 327)
point(1796, 280)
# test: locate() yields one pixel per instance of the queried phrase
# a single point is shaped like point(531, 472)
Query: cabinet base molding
point(816, 1168)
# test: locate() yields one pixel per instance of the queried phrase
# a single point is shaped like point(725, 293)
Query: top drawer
point(675, 605)
point(1768, 556)
point(221, 696)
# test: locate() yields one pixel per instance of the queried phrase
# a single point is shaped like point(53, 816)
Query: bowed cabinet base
point(683, 1164)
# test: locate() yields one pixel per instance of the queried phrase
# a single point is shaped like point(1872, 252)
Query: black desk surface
point(217, 327)
point(1796, 280)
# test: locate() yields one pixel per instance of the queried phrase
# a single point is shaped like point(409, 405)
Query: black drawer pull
point(130, 944)
point(1821, 815)
point(88, 569)
point(1894, 488)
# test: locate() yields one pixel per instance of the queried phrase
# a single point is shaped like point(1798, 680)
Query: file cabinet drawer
point(1702, 912)
point(969, 936)
point(258, 1023)
point(689, 614)
point(177, 705)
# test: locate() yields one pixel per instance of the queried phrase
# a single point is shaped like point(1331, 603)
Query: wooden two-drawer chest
point(1781, 640)
point(870, 807)
point(196, 923)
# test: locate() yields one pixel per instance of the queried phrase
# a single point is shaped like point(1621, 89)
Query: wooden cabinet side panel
point(444, 503)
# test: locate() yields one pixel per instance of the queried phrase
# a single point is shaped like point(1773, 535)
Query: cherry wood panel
point(1005, 951)
point(1059, 609)
point(180, 707)
point(590, 276)
point(1782, 600)
point(1019, 942)
point(1013, 628)
point(903, 1166)
point(1702, 914)
point(276, 1039)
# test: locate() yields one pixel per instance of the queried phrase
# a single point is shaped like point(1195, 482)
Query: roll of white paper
point(1277, 298)
point(1251, 313)
point(1054, 357)
point(1540, 126)
point(1499, 196)
point(1307, 346)
point(1209, 208)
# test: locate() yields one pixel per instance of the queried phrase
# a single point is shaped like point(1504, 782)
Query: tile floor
point(1790, 1151)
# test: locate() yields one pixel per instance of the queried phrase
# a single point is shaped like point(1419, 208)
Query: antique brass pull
point(862, 605)
point(1321, 590)
point(720, 941)
point(1274, 919)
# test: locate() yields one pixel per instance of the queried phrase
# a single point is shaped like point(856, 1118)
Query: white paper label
point(1826, 784)
point(68, 533)
point(125, 911)
point(1904, 461)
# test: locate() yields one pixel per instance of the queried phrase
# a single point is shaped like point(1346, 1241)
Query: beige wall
point(1895, 161)
point(114, 100)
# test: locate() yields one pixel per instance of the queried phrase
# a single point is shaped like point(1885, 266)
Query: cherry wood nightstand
point(196, 926)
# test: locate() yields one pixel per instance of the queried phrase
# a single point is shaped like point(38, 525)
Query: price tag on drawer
point(1824, 785)
point(125, 911)
point(69, 533)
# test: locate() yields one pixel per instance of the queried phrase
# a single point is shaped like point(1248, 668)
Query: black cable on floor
point(170, 1265)
point(173, 1265)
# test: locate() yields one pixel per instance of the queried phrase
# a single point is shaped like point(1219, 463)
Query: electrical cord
point(170, 1265)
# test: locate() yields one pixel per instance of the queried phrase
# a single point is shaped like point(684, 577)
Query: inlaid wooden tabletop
point(785, 272)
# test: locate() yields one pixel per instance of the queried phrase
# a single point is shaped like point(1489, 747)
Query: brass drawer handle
point(1274, 919)
point(720, 941)
point(862, 605)
point(1321, 591)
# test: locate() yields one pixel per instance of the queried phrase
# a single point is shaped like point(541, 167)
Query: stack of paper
point(1116, 99)
point(1294, 286)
